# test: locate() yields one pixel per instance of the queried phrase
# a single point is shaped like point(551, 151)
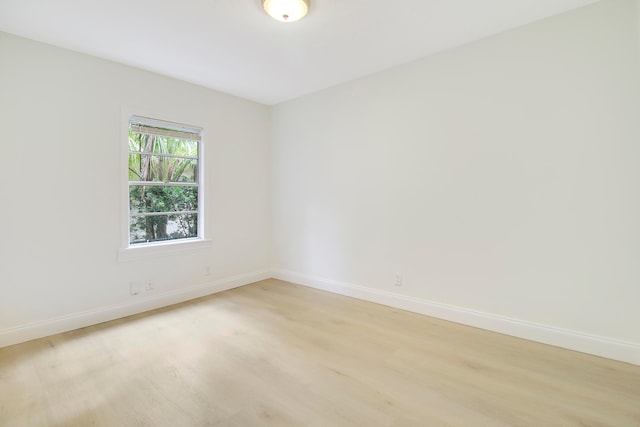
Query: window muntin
point(164, 181)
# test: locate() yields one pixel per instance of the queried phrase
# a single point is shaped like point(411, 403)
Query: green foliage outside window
point(162, 212)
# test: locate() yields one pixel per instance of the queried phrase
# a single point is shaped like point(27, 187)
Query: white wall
point(500, 177)
point(60, 116)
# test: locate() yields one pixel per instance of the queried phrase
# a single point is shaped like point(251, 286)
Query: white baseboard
point(572, 340)
point(141, 304)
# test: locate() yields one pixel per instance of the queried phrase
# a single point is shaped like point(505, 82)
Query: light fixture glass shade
point(286, 10)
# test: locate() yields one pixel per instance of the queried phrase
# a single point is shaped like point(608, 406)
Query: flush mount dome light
point(286, 10)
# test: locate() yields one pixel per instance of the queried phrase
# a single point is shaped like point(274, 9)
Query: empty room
point(320, 213)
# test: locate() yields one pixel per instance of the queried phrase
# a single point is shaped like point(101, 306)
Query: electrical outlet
point(149, 285)
point(207, 270)
point(398, 281)
point(135, 288)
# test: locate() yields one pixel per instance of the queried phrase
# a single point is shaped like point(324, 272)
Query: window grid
point(164, 181)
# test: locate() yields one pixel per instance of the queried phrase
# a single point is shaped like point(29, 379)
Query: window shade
point(160, 128)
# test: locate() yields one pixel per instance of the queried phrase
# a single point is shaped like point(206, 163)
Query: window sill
point(154, 250)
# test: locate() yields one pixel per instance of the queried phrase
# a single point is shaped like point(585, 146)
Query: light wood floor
point(277, 354)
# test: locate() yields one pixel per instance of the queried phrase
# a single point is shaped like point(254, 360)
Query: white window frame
point(128, 252)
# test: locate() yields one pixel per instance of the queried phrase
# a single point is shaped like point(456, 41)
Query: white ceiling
point(233, 46)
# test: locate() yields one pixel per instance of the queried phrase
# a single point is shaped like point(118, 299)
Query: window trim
point(153, 250)
point(128, 252)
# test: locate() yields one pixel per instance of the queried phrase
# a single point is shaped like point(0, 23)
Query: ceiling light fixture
point(286, 10)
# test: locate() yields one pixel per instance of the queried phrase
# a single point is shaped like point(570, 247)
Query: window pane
point(147, 198)
point(134, 141)
point(167, 155)
point(160, 228)
point(134, 167)
point(144, 167)
point(163, 145)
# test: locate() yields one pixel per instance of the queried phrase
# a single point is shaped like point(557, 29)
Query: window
point(165, 198)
